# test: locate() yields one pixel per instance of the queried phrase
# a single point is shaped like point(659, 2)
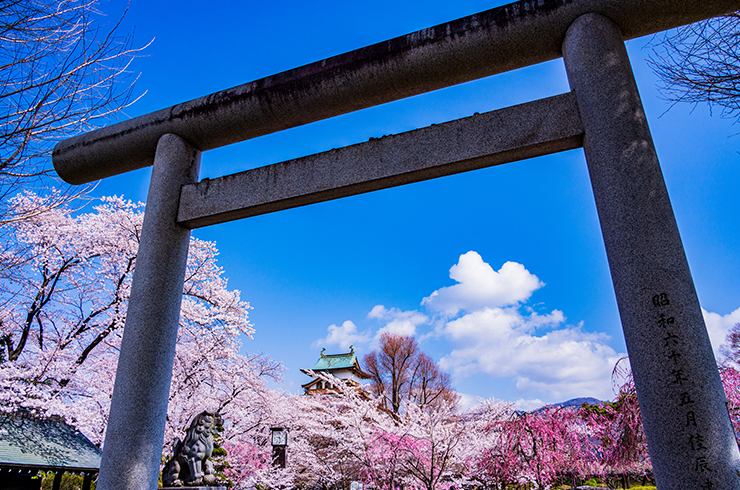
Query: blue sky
point(500, 273)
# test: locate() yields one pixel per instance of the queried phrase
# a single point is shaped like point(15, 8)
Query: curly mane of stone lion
point(190, 465)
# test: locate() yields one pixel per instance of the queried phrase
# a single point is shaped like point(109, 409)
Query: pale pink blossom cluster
point(65, 278)
point(336, 440)
point(339, 439)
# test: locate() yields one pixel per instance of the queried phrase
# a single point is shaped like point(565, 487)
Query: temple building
point(31, 444)
point(345, 367)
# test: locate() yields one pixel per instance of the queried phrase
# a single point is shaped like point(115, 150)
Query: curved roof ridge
point(334, 362)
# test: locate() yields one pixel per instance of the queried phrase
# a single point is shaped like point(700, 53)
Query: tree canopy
point(65, 281)
point(401, 371)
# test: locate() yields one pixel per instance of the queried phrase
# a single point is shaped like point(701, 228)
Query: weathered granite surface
point(190, 463)
point(135, 434)
point(682, 401)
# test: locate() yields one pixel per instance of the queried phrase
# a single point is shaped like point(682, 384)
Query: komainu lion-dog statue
point(189, 465)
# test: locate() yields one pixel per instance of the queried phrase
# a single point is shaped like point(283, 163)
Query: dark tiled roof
point(44, 443)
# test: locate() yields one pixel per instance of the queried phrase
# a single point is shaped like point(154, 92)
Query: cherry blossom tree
point(65, 280)
point(485, 449)
point(617, 426)
point(328, 438)
point(335, 439)
point(248, 463)
point(244, 459)
point(731, 382)
point(343, 438)
point(382, 468)
point(549, 444)
point(728, 370)
point(431, 439)
point(349, 436)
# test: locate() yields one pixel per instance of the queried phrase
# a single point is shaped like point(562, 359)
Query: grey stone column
point(135, 432)
point(683, 405)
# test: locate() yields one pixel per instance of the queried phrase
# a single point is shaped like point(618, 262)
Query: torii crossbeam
point(678, 386)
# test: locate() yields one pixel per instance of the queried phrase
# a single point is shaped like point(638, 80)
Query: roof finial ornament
point(322, 351)
point(351, 349)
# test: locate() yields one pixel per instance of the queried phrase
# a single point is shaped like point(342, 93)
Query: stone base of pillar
point(192, 488)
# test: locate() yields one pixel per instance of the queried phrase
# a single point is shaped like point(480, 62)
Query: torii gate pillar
point(133, 439)
point(682, 401)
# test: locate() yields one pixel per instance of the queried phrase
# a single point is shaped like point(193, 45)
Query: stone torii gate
point(688, 429)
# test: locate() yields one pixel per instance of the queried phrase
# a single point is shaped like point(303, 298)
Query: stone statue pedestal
point(193, 488)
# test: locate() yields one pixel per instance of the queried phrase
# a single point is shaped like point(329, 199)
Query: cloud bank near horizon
point(487, 328)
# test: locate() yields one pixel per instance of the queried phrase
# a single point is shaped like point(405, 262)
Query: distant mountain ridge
point(577, 402)
point(573, 402)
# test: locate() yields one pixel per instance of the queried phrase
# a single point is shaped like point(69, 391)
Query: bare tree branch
point(61, 72)
point(401, 371)
point(701, 63)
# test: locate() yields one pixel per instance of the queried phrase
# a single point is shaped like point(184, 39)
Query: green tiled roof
point(335, 361)
point(44, 443)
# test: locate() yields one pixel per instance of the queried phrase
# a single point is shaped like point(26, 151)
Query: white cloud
point(718, 326)
point(528, 405)
point(491, 331)
point(564, 362)
point(379, 312)
point(480, 286)
point(343, 336)
point(501, 338)
point(397, 321)
point(467, 401)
